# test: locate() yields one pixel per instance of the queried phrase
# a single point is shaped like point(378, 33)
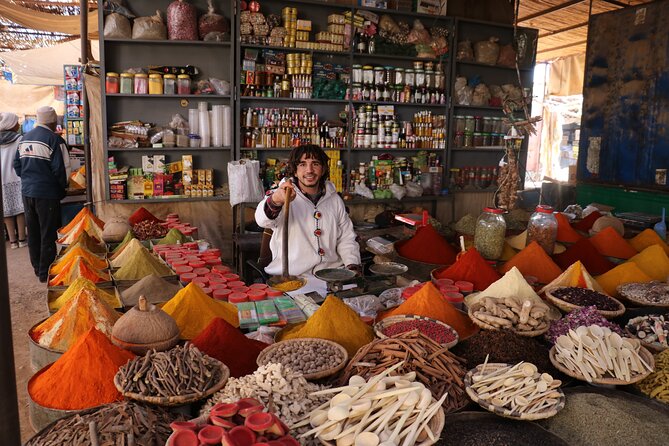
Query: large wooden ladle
point(285, 276)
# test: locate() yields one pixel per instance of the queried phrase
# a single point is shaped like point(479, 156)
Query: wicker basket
point(262, 357)
point(639, 302)
point(530, 334)
point(567, 307)
point(643, 353)
point(178, 400)
point(502, 411)
point(436, 425)
point(385, 323)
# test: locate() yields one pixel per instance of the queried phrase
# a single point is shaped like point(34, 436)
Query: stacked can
point(289, 16)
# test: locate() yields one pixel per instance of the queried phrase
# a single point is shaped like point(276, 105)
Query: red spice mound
point(584, 251)
point(533, 261)
point(471, 267)
point(611, 244)
point(427, 246)
point(142, 214)
point(224, 342)
point(565, 232)
point(585, 224)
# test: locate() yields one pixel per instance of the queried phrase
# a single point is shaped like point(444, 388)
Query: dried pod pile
point(148, 229)
point(511, 314)
point(125, 423)
point(305, 356)
point(176, 372)
point(440, 370)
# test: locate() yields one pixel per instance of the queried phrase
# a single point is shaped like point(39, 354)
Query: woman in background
point(11, 184)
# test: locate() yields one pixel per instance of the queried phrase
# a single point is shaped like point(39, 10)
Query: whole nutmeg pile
point(306, 356)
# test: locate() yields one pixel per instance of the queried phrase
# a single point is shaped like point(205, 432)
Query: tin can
point(661, 177)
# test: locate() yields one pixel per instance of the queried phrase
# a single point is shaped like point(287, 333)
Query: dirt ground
point(28, 306)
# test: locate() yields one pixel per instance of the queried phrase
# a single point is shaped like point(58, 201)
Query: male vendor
point(320, 232)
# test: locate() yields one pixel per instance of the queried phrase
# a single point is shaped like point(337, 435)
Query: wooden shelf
point(359, 150)
point(295, 50)
point(382, 11)
point(401, 104)
point(478, 107)
point(169, 149)
point(167, 96)
point(499, 67)
point(278, 149)
point(399, 57)
point(479, 149)
point(174, 199)
point(274, 99)
point(168, 42)
point(474, 191)
point(396, 201)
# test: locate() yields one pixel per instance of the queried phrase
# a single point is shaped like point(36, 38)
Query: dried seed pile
point(432, 330)
point(146, 229)
point(651, 292)
point(284, 392)
point(440, 370)
point(125, 423)
point(306, 356)
point(179, 371)
point(584, 297)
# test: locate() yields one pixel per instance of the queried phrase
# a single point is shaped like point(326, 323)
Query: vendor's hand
point(285, 189)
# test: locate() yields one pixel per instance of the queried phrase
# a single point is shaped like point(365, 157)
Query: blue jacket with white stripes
point(39, 163)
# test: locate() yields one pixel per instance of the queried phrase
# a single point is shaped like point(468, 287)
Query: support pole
point(10, 431)
point(83, 14)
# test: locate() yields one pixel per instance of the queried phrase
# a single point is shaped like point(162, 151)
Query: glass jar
point(155, 84)
point(542, 228)
point(169, 84)
point(459, 140)
point(126, 83)
point(356, 72)
point(379, 75)
point(478, 139)
point(497, 125)
point(410, 77)
point(420, 78)
point(478, 123)
point(368, 75)
point(487, 139)
point(111, 83)
point(497, 139)
point(141, 83)
point(469, 140)
point(460, 123)
point(429, 79)
point(399, 76)
point(469, 124)
point(490, 232)
point(487, 124)
point(183, 84)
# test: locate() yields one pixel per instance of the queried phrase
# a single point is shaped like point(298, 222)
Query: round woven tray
point(436, 425)
point(639, 302)
point(502, 411)
point(653, 347)
point(262, 357)
point(567, 307)
point(387, 322)
point(178, 400)
point(486, 326)
point(643, 353)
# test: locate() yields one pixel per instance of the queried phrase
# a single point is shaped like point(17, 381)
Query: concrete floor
point(28, 306)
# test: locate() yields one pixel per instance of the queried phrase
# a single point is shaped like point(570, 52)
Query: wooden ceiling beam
point(550, 10)
point(562, 47)
point(563, 30)
point(617, 3)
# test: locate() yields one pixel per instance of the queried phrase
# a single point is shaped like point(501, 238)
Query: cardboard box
point(147, 163)
point(303, 25)
point(159, 163)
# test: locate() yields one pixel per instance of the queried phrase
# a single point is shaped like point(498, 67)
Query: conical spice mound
point(79, 268)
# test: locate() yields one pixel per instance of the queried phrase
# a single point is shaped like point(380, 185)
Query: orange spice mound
point(84, 214)
point(79, 268)
point(565, 232)
point(533, 261)
point(611, 244)
point(66, 261)
point(427, 246)
point(84, 240)
point(428, 302)
point(76, 317)
point(83, 377)
point(86, 225)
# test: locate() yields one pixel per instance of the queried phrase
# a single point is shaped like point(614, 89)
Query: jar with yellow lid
point(155, 83)
point(183, 84)
point(141, 83)
point(126, 83)
point(169, 84)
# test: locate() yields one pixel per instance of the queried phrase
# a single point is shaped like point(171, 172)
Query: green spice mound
point(466, 225)
point(173, 237)
point(141, 264)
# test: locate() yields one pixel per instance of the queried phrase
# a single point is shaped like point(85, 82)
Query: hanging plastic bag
point(362, 190)
point(181, 21)
point(507, 56)
point(465, 51)
point(149, 28)
point(212, 23)
point(244, 181)
point(398, 191)
point(117, 26)
point(413, 189)
point(463, 92)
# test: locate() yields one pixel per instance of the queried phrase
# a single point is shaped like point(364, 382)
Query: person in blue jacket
point(39, 161)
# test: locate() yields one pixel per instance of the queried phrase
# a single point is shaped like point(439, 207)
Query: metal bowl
point(388, 269)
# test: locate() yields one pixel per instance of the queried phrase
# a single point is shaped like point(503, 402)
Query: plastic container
point(465, 287)
point(221, 293)
point(442, 282)
point(449, 289)
point(490, 233)
point(211, 262)
point(218, 286)
point(239, 289)
point(112, 83)
point(237, 298)
point(215, 278)
point(272, 293)
point(258, 286)
point(455, 299)
point(202, 281)
point(155, 83)
point(229, 276)
point(256, 295)
point(542, 228)
point(197, 263)
point(235, 283)
point(410, 291)
point(141, 83)
point(126, 83)
point(187, 277)
point(169, 84)
point(183, 84)
point(201, 271)
point(182, 269)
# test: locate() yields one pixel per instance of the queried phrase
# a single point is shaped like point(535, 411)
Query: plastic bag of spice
point(181, 21)
point(149, 28)
point(212, 23)
point(487, 51)
point(507, 56)
point(117, 26)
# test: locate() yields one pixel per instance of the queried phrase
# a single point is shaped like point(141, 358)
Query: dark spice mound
point(504, 346)
point(584, 297)
point(495, 432)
